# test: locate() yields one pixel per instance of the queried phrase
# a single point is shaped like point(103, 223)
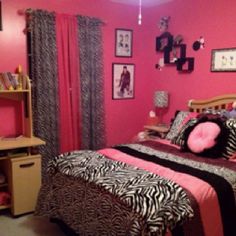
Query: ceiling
point(145, 3)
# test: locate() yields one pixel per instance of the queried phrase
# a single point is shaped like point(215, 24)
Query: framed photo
point(124, 39)
point(0, 15)
point(164, 42)
point(223, 60)
point(122, 81)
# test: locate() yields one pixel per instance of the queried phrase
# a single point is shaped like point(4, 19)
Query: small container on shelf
point(5, 198)
point(2, 178)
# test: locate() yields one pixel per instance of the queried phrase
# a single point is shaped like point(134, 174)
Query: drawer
point(26, 181)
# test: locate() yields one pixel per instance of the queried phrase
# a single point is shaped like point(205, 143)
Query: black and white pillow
point(221, 141)
point(180, 139)
point(230, 147)
point(176, 125)
point(220, 112)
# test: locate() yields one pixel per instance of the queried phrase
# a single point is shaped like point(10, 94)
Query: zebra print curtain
point(43, 64)
point(44, 74)
point(91, 82)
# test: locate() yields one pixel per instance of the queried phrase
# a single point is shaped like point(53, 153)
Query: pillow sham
point(176, 124)
point(230, 147)
point(180, 138)
point(220, 140)
point(214, 111)
point(190, 116)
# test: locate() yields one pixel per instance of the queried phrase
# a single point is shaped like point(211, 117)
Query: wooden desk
point(22, 169)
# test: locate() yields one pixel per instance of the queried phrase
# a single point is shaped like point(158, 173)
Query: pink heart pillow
point(203, 136)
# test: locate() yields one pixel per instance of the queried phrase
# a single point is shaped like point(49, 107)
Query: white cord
point(140, 13)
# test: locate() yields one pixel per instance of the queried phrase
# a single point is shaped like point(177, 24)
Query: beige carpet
point(27, 225)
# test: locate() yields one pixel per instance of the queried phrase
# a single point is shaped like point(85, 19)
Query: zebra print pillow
point(176, 125)
point(180, 139)
point(230, 148)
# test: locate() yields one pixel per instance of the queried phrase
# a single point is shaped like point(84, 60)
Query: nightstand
point(156, 130)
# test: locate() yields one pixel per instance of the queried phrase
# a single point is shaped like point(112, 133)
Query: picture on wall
point(0, 15)
point(122, 81)
point(123, 46)
point(223, 60)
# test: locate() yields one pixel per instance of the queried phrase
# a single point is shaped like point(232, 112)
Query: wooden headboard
point(218, 102)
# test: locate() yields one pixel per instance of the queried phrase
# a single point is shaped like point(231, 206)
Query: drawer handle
point(27, 165)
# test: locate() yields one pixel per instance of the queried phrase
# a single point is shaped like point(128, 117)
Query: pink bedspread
point(84, 193)
point(201, 190)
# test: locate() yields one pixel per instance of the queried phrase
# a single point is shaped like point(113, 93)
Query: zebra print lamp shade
point(161, 99)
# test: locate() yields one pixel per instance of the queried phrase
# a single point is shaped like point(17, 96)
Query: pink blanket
point(201, 190)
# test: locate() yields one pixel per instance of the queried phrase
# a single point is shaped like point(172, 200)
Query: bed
point(150, 187)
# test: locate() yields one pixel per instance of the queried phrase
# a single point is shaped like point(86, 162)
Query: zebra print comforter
point(95, 195)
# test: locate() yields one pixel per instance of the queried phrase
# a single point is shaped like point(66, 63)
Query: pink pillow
point(203, 136)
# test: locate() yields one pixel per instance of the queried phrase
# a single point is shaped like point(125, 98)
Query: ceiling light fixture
point(140, 13)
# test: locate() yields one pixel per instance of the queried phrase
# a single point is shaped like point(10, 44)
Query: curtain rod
point(30, 10)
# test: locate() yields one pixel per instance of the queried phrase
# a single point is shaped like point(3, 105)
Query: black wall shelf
point(174, 54)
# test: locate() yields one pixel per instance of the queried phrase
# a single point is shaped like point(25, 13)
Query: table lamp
point(161, 101)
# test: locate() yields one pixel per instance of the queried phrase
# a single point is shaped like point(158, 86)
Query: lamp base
point(153, 121)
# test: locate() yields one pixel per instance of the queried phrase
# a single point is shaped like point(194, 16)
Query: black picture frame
point(185, 64)
point(123, 87)
point(164, 42)
point(123, 42)
point(0, 15)
point(178, 51)
point(223, 60)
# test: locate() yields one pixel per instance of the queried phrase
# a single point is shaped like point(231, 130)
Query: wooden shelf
point(14, 91)
point(3, 185)
point(4, 207)
point(20, 142)
point(19, 163)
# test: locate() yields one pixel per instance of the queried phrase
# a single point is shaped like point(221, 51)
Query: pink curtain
point(66, 30)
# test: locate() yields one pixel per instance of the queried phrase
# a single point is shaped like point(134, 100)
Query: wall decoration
point(223, 60)
point(178, 39)
point(185, 64)
point(173, 48)
point(199, 44)
point(164, 42)
point(122, 81)
point(123, 46)
point(164, 23)
point(177, 52)
point(160, 64)
point(0, 15)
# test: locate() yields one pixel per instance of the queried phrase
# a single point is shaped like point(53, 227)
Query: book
point(2, 84)
point(12, 80)
point(7, 81)
point(16, 81)
point(24, 81)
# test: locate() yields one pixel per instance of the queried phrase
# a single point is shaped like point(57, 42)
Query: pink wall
point(188, 17)
point(123, 118)
point(192, 19)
